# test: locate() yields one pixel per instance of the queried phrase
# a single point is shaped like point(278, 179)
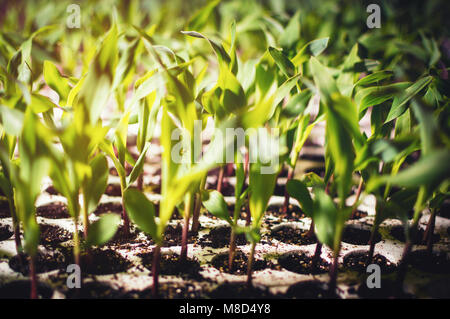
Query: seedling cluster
point(76, 104)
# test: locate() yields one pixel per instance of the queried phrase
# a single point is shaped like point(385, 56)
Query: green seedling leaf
point(374, 78)
point(431, 169)
point(56, 81)
point(300, 192)
point(95, 186)
point(103, 229)
point(12, 120)
point(283, 62)
point(399, 104)
point(312, 48)
point(40, 103)
point(202, 16)
point(291, 34)
point(216, 205)
point(139, 167)
point(142, 212)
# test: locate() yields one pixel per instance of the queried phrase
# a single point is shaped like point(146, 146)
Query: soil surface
point(239, 291)
point(5, 232)
point(357, 261)
point(20, 289)
point(170, 264)
point(111, 207)
point(434, 263)
point(357, 235)
point(219, 237)
point(290, 235)
point(311, 289)
point(45, 261)
point(301, 263)
point(398, 232)
point(113, 190)
point(54, 210)
point(220, 262)
point(293, 213)
point(52, 235)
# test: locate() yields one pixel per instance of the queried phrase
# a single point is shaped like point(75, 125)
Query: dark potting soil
point(170, 264)
point(437, 262)
point(94, 290)
point(5, 232)
point(227, 188)
point(357, 235)
point(102, 262)
point(53, 210)
point(300, 263)
point(358, 215)
point(113, 190)
point(45, 261)
point(110, 207)
point(398, 232)
point(293, 213)
point(4, 209)
point(239, 291)
point(51, 190)
point(220, 262)
point(357, 261)
point(219, 237)
point(311, 289)
point(390, 289)
point(444, 210)
point(20, 289)
point(173, 236)
point(120, 237)
point(290, 235)
point(52, 235)
point(169, 291)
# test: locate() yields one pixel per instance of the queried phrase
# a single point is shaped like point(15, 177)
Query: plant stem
point(403, 265)
point(155, 270)
point(16, 226)
point(140, 182)
point(220, 179)
point(333, 274)
point(232, 250)
point(33, 278)
point(428, 235)
point(286, 194)
point(126, 221)
point(85, 218)
point(197, 206)
point(250, 265)
point(76, 247)
point(372, 243)
point(316, 257)
point(358, 194)
point(185, 232)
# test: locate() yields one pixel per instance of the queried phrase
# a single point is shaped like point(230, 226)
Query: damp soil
point(219, 237)
point(4, 209)
point(310, 289)
point(51, 235)
point(121, 237)
point(239, 291)
point(358, 235)
point(113, 190)
point(103, 262)
point(94, 290)
point(358, 215)
point(220, 262)
point(300, 263)
point(437, 262)
point(291, 235)
point(390, 289)
point(20, 289)
point(173, 236)
point(171, 265)
point(5, 232)
point(110, 207)
point(398, 232)
point(53, 210)
point(357, 261)
point(169, 291)
point(52, 190)
point(294, 213)
point(45, 261)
